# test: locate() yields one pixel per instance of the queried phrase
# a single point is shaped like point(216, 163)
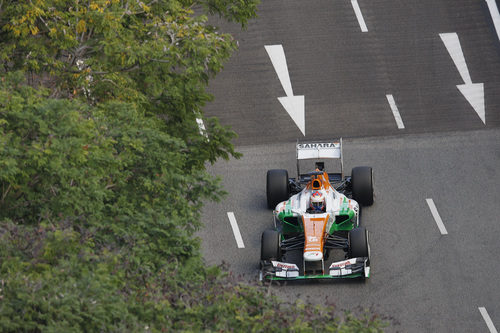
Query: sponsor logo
point(341, 264)
point(338, 265)
point(313, 239)
point(317, 145)
point(283, 265)
point(288, 274)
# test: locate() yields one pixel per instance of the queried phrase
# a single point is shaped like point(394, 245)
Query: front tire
point(270, 246)
point(358, 243)
point(277, 187)
point(362, 185)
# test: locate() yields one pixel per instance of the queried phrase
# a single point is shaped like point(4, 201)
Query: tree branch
point(5, 192)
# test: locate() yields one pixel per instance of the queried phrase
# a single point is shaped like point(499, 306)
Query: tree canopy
point(102, 172)
point(158, 55)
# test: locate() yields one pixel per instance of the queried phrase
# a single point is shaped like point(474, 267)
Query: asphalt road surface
point(345, 74)
point(438, 149)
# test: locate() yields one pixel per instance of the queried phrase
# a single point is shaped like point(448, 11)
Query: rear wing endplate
point(320, 150)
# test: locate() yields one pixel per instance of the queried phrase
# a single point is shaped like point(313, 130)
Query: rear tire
point(362, 185)
point(277, 187)
point(270, 246)
point(358, 243)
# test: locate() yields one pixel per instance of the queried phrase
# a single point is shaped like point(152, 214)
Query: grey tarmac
point(426, 281)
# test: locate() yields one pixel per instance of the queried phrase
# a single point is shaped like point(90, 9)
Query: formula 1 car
point(314, 214)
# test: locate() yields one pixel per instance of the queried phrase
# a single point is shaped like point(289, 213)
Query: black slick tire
point(362, 185)
point(270, 245)
point(276, 187)
point(358, 243)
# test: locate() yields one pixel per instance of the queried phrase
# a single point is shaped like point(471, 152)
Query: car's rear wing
point(320, 151)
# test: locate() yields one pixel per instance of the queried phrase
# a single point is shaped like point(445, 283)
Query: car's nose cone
point(313, 255)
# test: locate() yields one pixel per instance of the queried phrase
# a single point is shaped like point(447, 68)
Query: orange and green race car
point(317, 232)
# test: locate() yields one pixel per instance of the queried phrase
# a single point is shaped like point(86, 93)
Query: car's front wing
point(349, 268)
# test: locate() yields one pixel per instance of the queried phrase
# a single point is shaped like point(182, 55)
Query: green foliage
point(238, 11)
point(97, 213)
point(158, 56)
point(107, 169)
point(102, 174)
point(95, 202)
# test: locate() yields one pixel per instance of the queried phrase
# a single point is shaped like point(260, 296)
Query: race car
point(317, 219)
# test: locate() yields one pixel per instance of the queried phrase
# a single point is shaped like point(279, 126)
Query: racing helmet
point(317, 200)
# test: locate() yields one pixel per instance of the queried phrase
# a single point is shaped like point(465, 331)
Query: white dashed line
point(487, 319)
point(236, 230)
point(201, 127)
point(395, 111)
point(436, 216)
point(359, 15)
point(495, 15)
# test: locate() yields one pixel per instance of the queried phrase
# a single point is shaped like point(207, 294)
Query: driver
point(317, 203)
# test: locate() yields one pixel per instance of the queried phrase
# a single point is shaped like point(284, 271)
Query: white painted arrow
point(495, 15)
point(473, 92)
point(294, 105)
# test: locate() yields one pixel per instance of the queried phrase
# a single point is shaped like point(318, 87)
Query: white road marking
point(454, 48)
point(495, 15)
point(201, 127)
point(294, 105)
point(359, 15)
point(473, 92)
point(395, 111)
point(236, 230)
point(487, 319)
point(436, 216)
point(277, 55)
